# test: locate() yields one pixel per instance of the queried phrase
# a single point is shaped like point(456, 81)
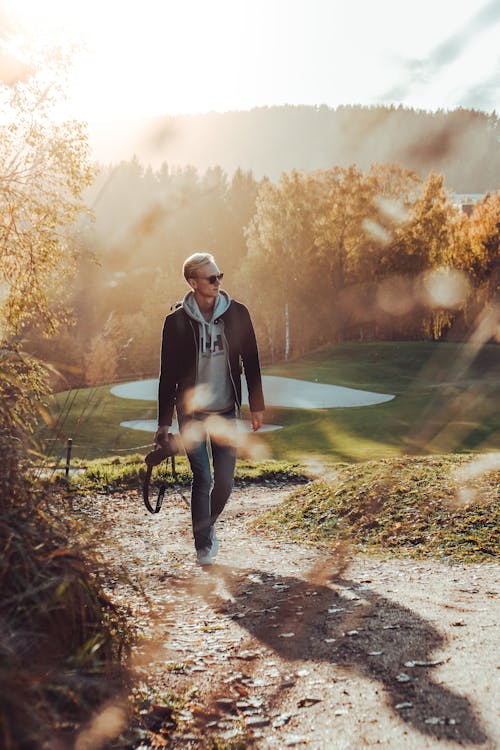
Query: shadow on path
point(373, 635)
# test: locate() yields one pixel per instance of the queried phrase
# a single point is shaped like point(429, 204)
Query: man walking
point(204, 343)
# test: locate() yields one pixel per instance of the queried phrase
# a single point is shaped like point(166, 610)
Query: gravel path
point(293, 646)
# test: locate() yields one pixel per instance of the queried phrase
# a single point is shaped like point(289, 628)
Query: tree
point(43, 170)
point(101, 361)
point(340, 236)
point(480, 260)
point(280, 242)
point(482, 257)
point(241, 201)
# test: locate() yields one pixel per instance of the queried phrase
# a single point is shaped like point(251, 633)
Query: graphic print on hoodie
point(214, 391)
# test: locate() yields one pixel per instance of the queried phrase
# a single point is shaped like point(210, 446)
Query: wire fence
point(66, 466)
point(63, 447)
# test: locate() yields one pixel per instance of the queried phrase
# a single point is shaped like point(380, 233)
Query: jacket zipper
point(238, 404)
point(196, 348)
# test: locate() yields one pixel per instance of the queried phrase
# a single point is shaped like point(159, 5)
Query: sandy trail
point(297, 648)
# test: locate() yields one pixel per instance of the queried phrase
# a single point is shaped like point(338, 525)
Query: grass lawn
point(447, 398)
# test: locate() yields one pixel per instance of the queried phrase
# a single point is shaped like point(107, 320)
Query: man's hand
point(257, 420)
point(161, 434)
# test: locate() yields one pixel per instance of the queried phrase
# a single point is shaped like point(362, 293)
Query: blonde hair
point(194, 263)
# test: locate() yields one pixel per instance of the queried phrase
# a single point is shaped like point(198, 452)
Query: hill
point(463, 144)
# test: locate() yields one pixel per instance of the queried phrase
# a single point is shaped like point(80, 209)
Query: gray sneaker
point(204, 556)
point(215, 542)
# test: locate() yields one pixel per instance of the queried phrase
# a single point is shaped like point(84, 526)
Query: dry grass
point(435, 506)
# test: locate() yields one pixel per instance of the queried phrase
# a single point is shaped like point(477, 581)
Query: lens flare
point(12, 69)
point(392, 208)
point(468, 477)
point(193, 434)
point(377, 231)
point(200, 397)
point(487, 326)
point(317, 469)
point(395, 295)
point(338, 560)
point(254, 449)
point(229, 432)
point(222, 430)
point(445, 287)
point(105, 726)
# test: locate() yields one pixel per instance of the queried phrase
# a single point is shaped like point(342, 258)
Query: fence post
point(68, 455)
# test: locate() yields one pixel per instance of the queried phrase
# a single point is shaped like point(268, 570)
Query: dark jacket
point(179, 359)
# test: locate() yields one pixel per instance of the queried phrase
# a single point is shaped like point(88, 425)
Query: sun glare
point(44, 18)
point(182, 56)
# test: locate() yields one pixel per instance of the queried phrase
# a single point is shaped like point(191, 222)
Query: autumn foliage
point(63, 642)
point(320, 257)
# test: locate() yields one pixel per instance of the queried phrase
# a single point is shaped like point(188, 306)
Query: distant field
point(447, 400)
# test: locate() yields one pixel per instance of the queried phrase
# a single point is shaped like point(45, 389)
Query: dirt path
point(284, 645)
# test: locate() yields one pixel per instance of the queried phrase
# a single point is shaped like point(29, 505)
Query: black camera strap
point(161, 491)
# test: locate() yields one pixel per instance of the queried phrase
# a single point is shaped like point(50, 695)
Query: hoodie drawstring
point(212, 336)
point(203, 327)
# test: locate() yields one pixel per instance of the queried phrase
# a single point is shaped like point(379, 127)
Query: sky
point(157, 57)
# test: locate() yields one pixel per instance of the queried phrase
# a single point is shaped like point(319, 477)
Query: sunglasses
point(212, 279)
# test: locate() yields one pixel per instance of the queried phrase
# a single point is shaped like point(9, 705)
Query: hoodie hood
point(207, 328)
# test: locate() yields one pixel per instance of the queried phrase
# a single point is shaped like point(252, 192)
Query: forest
point(319, 257)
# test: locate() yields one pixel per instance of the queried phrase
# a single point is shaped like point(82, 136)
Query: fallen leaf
point(226, 703)
point(306, 702)
point(281, 720)
point(403, 677)
point(241, 690)
point(423, 663)
point(294, 739)
point(257, 721)
point(247, 655)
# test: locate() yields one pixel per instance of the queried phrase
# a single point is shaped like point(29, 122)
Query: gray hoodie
point(214, 391)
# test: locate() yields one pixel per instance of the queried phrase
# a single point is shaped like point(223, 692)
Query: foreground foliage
point(445, 506)
point(63, 642)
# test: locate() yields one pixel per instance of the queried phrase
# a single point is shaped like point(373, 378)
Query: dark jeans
point(208, 497)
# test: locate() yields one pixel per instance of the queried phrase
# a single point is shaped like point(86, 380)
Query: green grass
point(126, 472)
point(446, 400)
point(397, 507)
point(447, 397)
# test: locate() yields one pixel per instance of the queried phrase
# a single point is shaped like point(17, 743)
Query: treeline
point(462, 144)
point(342, 254)
point(130, 258)
point(318, 256)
